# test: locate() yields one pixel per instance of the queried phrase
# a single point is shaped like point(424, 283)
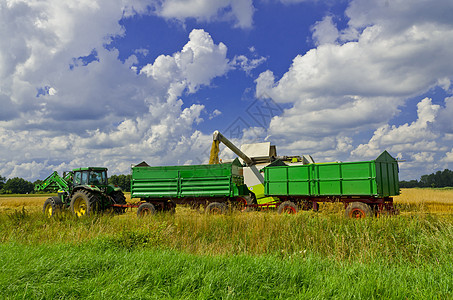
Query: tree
point(18, 185)
point(2, 181)
point(123, 181)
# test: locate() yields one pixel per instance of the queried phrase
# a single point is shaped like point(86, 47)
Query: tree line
point(434, 180)
point(18, 185)
point(15, 185)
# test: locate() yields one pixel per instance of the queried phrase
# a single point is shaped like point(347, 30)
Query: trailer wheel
point(358, 210)
point(287, 207)
point(146, 209)
point(51, 206)
point(84, 203)
point(216, 208)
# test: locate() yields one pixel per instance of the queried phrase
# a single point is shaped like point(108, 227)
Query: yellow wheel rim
point(48, 210)
point(80, 207)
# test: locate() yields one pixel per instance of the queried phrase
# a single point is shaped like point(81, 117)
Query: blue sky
point(112, 83)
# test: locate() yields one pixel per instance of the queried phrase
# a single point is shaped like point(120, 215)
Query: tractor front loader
point(84, 191)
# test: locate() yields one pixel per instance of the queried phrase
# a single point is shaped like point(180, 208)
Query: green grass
point(94, 271)
point(238, 255)
point(403, 239)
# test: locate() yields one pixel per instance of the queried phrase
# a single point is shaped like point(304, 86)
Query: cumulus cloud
point(325, 31)
point(68, 102)
point(238, 11)
point(198, 62)
point(358, 79)
point(404, 137)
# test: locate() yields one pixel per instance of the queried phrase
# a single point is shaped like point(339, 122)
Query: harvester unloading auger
point(256, 156)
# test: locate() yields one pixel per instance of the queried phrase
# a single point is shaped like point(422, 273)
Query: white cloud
point(247, 65)
point(357, 81)
point(325, 31)
point(238, 11)
point(199, 61)
point(96, 111)
point(448, 158)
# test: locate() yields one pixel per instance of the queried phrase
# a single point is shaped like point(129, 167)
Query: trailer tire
point(52, 206)
point(216, 208)
point(84, 203)
point(287, 207)
point(146, 209)
point(358, 210)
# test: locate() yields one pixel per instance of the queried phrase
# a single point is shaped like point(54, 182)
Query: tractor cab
point(90, 176)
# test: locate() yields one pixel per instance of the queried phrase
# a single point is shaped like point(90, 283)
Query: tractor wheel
point(119, 198)
point(216, 208)
point(52, 206)
point(287, 207)
point(358, 210)
point(146, 209)
point(84, 203)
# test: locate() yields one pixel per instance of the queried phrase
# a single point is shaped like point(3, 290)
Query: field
point(239, 255)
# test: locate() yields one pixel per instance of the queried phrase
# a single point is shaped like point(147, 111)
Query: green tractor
point(84, 190)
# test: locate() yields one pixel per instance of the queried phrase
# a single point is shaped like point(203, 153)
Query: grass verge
point(94, 271)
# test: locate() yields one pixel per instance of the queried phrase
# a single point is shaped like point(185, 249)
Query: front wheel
point(51, 206)
point(358, 210)
point(287, 207)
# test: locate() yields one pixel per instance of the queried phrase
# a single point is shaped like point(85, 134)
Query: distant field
point(238, 255)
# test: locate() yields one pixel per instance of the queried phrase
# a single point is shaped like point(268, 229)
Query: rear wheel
point(358, 210)
point(146, 209)
point(119, 198)
point(84, 203)
point(216, 208)
point(287, 207)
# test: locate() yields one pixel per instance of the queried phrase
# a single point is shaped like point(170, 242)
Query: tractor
point(84, 191)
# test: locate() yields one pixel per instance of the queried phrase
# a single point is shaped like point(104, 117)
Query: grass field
point(238, 255)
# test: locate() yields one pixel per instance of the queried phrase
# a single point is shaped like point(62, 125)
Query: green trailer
point(210, 186)
point(365, 187)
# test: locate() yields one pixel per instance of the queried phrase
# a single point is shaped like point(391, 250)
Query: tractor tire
point(119, 198)
point(216, 208)
point(84, 203)
point(146, 209)
point(287, 207)
point(52, 206)
point(358, 210)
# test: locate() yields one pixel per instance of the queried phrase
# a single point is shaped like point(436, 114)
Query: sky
point(116, 82)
